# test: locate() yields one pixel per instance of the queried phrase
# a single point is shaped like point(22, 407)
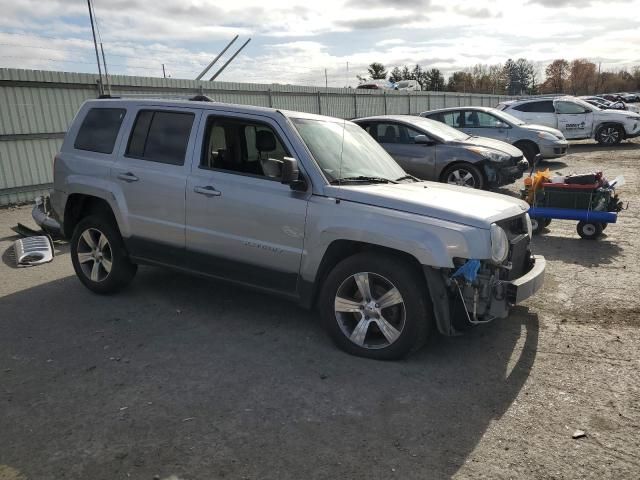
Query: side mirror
point(501, 125)
point(423, 140)
point(291, 174)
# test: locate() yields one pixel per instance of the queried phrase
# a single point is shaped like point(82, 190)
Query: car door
point(574, 120)
point(482, 124)
point(398, 140)
point(242, 223)
point(151, 172)
point(541, 112)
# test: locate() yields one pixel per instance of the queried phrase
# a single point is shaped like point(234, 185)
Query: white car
point(575, 118)
point(411, 85)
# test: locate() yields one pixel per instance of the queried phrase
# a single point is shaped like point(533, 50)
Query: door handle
point(128, 177)
point(208, 191)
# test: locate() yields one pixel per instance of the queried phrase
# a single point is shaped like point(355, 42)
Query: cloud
point(476, 12)
point(372, 23)
point(390, 41)
point(561, 3)
point(407, 4)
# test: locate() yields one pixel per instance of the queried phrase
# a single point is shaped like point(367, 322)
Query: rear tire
point(589, 231)
point(395, 321)
point(464, 175)
point(609, 135)
point(99, 257)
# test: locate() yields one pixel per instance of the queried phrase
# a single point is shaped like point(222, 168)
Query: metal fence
point(36, 108)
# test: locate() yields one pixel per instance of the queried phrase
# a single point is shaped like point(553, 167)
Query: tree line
point(516, 77)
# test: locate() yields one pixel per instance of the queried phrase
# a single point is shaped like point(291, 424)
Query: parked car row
point(604, 104)
point(575, 118)
point(300, 205)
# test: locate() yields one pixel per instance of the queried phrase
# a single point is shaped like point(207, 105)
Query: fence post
point(409, 102)
point(355, 105)
point(384, 96)
point(444, 99)
point(428, 101)
point(270, 99)
point(459, 102)
point(319, 104)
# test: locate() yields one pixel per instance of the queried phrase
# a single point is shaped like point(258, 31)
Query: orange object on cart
point(532, 184)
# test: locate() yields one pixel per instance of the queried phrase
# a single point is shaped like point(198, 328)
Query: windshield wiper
point(361, 179)
point(408, 177)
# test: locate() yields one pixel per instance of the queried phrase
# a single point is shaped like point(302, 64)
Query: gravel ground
point(189, 377)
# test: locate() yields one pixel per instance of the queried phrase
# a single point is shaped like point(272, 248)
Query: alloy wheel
point(370, 310)
point(94, 255)
point(461, 177)
point(610, 135)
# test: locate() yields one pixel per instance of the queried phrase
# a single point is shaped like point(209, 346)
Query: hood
point(451, 203)
point(543, 128)
point(485, 142)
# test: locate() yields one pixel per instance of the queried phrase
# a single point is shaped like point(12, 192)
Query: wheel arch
point(81, 205)
point(480, 164)
point(609, 123)
point(341, 249)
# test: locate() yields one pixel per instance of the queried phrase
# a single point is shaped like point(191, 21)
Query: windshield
point(507, 117)
point(440, 130)
point(358, 155)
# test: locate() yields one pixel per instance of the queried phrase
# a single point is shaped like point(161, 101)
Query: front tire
point(464, 175)
point(609, 135)
point(99, 257)
point(376, 306)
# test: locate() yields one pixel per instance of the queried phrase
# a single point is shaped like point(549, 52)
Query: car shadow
point(589, 253)
point(596, 147)
point(180, 375)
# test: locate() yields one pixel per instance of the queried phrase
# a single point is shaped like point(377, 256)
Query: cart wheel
point(547, 222)
point(589, 231)
point(537, 225)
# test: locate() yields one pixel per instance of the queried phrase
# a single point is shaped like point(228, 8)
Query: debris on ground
point(579, 434)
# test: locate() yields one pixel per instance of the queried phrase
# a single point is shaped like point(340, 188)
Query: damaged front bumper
point(498, 174)
point(458, 304)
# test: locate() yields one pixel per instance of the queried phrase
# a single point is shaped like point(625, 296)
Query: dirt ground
point(188, 377)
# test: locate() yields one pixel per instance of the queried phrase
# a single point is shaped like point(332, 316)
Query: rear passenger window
point(538, 107)
point(160, 136)
point(99, 130)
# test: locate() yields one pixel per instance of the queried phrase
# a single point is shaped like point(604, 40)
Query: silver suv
point(300, 205)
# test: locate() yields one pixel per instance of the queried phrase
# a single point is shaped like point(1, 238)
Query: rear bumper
point(42, 215)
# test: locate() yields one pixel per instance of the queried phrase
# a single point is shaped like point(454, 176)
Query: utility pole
point(326, 81)
point(215, 75)
point(216, 59)
point(95, 44)
point(346, 84)
point(164, 74)
point(106, 72)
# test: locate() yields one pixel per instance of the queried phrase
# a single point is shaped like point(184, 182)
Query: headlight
point(527, 219)
point(499, 244)
point(491, 155)
point(547, 136)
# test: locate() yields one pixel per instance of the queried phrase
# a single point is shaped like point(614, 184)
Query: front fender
point(432, 242)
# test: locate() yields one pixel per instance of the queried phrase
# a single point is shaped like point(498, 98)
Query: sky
point(295, 41)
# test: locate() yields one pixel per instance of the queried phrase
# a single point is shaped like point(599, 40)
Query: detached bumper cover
point(526, 286)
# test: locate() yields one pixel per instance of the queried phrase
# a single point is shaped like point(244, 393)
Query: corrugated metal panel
point(35, 103)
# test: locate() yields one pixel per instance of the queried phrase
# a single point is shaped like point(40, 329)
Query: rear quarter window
point(99, 130)
point(538, 107)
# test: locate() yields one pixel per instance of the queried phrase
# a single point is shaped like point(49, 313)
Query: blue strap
point(469, 270)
